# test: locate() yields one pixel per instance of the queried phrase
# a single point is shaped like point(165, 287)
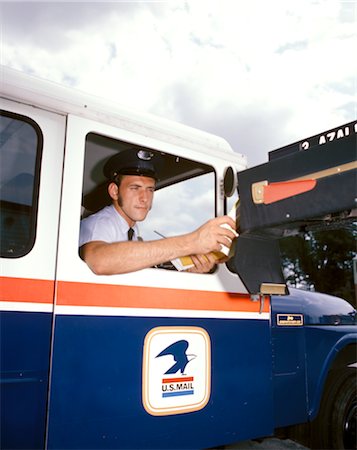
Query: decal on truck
point(295, 320)
point(176, 370)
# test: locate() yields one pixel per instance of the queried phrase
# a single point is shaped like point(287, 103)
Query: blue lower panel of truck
point(97, 384)
point(25, 350)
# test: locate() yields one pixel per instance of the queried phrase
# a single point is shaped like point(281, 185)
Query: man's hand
point(209, 238)
point(213, 234)
point(203, 263)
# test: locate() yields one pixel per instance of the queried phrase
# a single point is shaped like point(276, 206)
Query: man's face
point(134, 197)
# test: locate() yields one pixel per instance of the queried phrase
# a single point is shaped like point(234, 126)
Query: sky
point(261, 74)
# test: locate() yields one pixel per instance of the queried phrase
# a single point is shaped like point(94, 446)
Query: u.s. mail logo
point(176, 370)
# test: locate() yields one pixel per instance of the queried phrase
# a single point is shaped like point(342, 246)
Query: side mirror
point(230, 181)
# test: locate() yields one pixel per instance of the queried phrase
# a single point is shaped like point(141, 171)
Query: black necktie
point(130, 234)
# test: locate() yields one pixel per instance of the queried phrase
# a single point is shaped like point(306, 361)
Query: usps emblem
point(176, 370)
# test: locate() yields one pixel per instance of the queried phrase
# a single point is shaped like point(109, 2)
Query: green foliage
point(322, 261)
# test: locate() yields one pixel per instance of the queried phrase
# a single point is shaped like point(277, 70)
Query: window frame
point(90, 204)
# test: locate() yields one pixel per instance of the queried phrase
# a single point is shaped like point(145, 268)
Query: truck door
point(31, 153)
point(114, 380)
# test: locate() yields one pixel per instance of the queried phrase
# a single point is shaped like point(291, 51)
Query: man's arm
point(123, 257)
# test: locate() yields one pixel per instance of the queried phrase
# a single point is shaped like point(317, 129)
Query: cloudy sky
point(260, 73)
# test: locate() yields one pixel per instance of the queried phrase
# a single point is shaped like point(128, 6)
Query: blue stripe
point(175, 394)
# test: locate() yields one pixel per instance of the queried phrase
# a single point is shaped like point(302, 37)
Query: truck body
point(156, 358)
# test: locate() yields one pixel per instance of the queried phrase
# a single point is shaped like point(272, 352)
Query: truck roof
point(25, 88)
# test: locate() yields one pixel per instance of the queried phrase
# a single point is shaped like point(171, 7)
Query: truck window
point(184, 198)
point(20, 154)
point(180, 208)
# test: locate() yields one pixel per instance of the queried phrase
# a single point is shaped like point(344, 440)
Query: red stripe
point(88, 294)
point(176, 380)
point(108, 295)
point(26, 290)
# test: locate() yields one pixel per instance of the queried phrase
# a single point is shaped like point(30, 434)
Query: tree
point(322, 260)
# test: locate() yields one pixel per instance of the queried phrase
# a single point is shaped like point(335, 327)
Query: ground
point(267, 444)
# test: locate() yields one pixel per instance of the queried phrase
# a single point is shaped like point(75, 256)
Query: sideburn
point(120, 200)
point(117, 181)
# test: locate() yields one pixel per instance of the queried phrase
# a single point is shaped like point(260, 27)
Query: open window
point(184, 196)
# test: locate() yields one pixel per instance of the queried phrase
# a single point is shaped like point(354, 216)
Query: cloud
point(260, 74)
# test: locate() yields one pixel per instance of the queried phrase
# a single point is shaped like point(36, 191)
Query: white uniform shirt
point(106, 225)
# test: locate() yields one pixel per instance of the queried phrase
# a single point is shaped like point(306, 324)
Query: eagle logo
point(178, 351)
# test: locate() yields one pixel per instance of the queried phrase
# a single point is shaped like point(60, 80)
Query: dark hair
point(117, 179)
